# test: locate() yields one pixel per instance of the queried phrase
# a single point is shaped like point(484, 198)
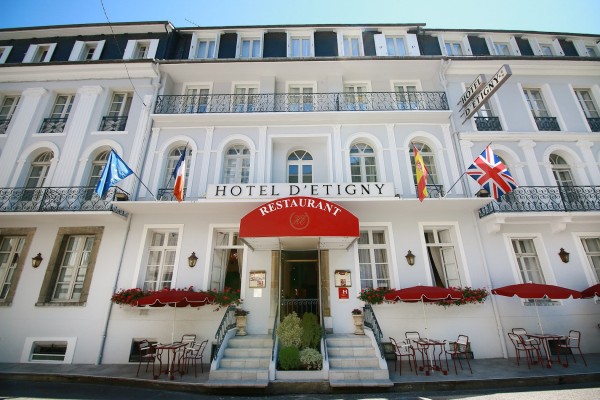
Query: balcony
point(546, 198)
point(4, 125)
point(433, 191)
point(594, 124)
point(49, 199)
point(488, 124)
point(547, 123)
point(315, 102)
point(113, 123)
point(53, 125)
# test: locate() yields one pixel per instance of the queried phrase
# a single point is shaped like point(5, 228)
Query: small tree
point(289, 358)
point(290, 331)
point(311, 331)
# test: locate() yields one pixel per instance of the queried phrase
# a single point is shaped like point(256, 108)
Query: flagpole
point(138, 178)
point(461, 175)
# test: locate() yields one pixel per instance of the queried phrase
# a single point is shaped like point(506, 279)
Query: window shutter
point(535, 46)
point(557, 47)
point(514, 46)
point(76, 52)
point(51, 48)
point(4, 57)
point(98, 50)
point(289, 44)
point(192, 54)
point(30, 53)
point(380, 45)
point(152, 48)
point(466, 46)
point(412, 44)
point(129, 50)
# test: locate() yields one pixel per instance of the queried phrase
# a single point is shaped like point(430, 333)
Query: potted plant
point(359, 320)
point(240, 321)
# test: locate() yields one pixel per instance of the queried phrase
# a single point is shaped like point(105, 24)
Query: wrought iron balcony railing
point(166, 194)
point(547, 123)
point(113, 123)
point(488, 124)
point(594, 124)
point(53, 125)
point(546, 198)
point(4, 125)
point(315, 102)
point(48, 199)
point(433, 191)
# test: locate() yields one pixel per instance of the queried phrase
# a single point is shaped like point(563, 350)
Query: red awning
point(174, 298)
point(299, 217)
point(537, 291)
point(423, 293)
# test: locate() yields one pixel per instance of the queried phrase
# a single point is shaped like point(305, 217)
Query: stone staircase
point(245, 362)
point(353, 361)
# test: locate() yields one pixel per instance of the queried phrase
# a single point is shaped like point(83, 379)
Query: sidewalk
point(487, 373)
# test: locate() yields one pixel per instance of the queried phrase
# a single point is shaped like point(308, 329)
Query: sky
point(567, 16)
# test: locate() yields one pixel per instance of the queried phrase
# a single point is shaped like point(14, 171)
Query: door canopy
point(299, 216)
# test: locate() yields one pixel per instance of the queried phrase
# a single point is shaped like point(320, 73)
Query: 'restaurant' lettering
point(301, 203)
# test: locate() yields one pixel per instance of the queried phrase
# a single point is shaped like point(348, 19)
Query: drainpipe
point(110, 307)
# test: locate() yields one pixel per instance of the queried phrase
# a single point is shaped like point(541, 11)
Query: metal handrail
point(227, 323)
point(274, 333)
point(371, 322)
point(313, 102)
point(323, 333)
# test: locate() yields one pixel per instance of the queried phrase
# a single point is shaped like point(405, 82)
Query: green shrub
point(289, 358)
point(311, 359)
point(289, 331)
point(311, 331)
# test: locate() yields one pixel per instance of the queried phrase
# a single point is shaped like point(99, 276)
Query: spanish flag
point(179, 175)
point(421, 174)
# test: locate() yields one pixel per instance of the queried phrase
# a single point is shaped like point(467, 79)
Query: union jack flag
point(492, 174)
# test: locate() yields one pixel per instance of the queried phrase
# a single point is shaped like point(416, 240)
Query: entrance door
point(299, 283)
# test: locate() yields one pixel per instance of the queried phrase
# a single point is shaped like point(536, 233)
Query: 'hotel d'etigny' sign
point(271, 190)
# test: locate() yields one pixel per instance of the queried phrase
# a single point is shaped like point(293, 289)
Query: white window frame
point(133, 45)
point(590, 106)
point(11, 109)
point(297, 101)
point(252, 37)
point(371, 247)
point(200, 101)
point(66, 107)
point(301, 35)
point(144, 251)
point(542, 257)
point(362, 157)
point(591, 273)
point(80, 50)
point(533, 106)
point(452, 248)
point(352, 96)
point(34, 52)
point(219, 284)
point(8, 272)
point(81, 262)
point(300, 163)
point(30, 342)
point(246, 105)
point(343, 37)
point(4, 52)
point(238, 176)
point(197, 38)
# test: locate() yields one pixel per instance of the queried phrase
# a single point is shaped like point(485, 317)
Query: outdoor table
point(431, 364)
point(544, 339)
point(171, 350)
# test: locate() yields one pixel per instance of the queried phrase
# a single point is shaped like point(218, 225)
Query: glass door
point(300, 283)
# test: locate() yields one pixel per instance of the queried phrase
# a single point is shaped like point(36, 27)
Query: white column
point(206, 154)
point(151, 165)
point(260, 156)
point(76, 131)
point(19, 131)
point(532, 163)
point(336, 154)
point(136, 156)
point(591, 162)
point(397, 177)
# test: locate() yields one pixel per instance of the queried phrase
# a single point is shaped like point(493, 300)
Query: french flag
point(179, 175)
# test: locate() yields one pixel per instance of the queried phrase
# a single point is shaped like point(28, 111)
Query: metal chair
point(147, 354)
point(572, 342)
point(528, 347)
point(194, 355)
point(460, 346)
point(404, 349)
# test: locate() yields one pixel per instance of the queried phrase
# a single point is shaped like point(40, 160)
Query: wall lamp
point(37, 260)
point(564, 256)
point(192, 260)
point(410, 258)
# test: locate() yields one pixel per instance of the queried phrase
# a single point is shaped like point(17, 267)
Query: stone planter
point(359, 321)
point(300, 375)
point(240, 323)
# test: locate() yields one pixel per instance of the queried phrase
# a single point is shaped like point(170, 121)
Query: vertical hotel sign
point(476, 96)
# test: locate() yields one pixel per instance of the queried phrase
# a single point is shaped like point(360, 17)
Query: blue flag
point(114, 170)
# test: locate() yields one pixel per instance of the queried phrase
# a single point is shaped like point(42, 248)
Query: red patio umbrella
point(423, 294)
point(174, 298)
point(591, 292)
point(537, 291)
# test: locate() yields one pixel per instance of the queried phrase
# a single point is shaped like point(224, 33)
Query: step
point(239, 375)
point(362, 383)
point(227, 383)
point(248, 363)
point(348, 341)
point(247, 353)
point(353, 362)
point(350, 351)
point(355, 374)
point(251, 341)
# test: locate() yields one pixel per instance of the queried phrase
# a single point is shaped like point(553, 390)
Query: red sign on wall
point(343, 293)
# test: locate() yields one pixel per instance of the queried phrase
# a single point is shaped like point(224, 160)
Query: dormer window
point(454, 49)
point(86, 51)
point(38, 53)
point(351, 46)
point(300, 46)
point(249, 47)
point(395, 45)
point(502, 49)
point(205, 48)
point(140, 49)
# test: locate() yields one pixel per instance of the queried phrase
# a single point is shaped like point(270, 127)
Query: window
point(59, 115)
point(355, 97)
point(442, 256)
point(249, 48)
point(586, 102)
point(546, 50)
point(406, 97)
point(38, 53)
point(205, 48)
point(71, 266)
point(245, 98)
point(7, 109)
point(433, 187)
point(591, 247)
point(527, 261)
point(38, 170)
point(86, 51)
point(4, 51)
point(160, 262)
point(454, 48)
point(300, 98)
point(196, 100)
point(116, 119)
point(395, 45)
point(236, 164)
point(226, 267)
point(502, 49)
point(300, 46)
point(172, 160)
point(11, 249)
point(538, 109)
point(48, 351)
point(561, 171)
point(373, 258)
point(592, 51)
point(140, 49)
point(351, 46)
point(96, 171)
point(362, 163)
point(300, 167)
